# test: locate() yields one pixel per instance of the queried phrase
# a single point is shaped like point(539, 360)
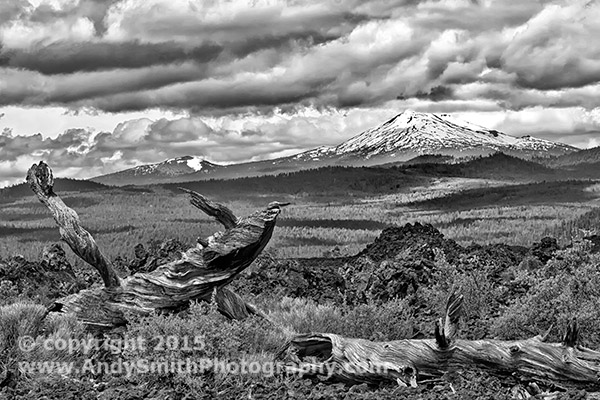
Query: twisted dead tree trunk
point(200, 274)
point(559, 365)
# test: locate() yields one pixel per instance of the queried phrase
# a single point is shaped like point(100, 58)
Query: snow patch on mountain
point(406, 136)
point(145, 169)
point(425, 133)
point(195, 163)
point(174, 166)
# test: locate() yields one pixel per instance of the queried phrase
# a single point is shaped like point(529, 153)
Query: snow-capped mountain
point(407, 135)
point(410, 133)
point(175, 166)
point(160, 172)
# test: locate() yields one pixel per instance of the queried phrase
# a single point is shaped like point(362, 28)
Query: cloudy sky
point(96, 86)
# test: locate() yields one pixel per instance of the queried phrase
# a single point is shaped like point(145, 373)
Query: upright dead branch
point(82, 243)
point(446, 329)
point(221, 213)
point(199, 272)
point(357, 360)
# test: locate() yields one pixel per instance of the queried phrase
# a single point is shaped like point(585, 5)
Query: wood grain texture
point(199, 272)
point(221, 213)
point(357, 360)
point(41, 181)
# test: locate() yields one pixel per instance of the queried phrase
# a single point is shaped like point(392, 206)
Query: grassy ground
point(463, 209)
point(566, 287)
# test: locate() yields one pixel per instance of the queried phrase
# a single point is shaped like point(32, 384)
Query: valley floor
point(466, 210)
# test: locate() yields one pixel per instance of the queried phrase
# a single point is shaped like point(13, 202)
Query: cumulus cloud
point(217, 57)
point(85, 153)
point(551, 50)
point(254, 61)
point(24, 15)
point(573, 125)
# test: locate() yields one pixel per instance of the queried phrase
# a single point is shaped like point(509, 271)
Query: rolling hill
point(61, 185)
point(573, 159)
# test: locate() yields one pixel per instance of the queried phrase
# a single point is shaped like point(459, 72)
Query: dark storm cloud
point(248, 46)
point(570, 73)
point(436, 93)
point(66, 58)
point(30, 88)
point(243, 64)
point(220, 57)
point(208, 94)
point(91, 72)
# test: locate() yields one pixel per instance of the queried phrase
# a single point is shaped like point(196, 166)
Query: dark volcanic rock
point(138, 264)
point(595, 239)
point(420, 240)
point(496, 258)
point(315, 278)
point(398, 262)
point(367, 280)
point(54, 259)
point(53, 276)
point(50, 278)
point(159, 253)
point(545, 249)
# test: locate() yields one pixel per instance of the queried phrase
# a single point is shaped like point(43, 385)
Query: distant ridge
point(60, 185)
point(587, 156)
point(408, 135)
point(335, 180)
point(160, 172)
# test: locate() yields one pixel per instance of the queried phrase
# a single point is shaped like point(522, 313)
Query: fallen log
point(200, 274)
point(563, 365)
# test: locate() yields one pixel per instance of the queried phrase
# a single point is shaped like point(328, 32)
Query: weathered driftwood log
point(560, 365)
point(200, 274)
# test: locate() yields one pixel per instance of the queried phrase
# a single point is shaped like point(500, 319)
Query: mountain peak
point(412, 133)
point(168, 169)
point(196, 163)
point(431, 124)
point(404, 118)
point(409, 116)
point(403, 137)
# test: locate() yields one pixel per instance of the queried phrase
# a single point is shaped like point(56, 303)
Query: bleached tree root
point(559, 365)
point(200, 274)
